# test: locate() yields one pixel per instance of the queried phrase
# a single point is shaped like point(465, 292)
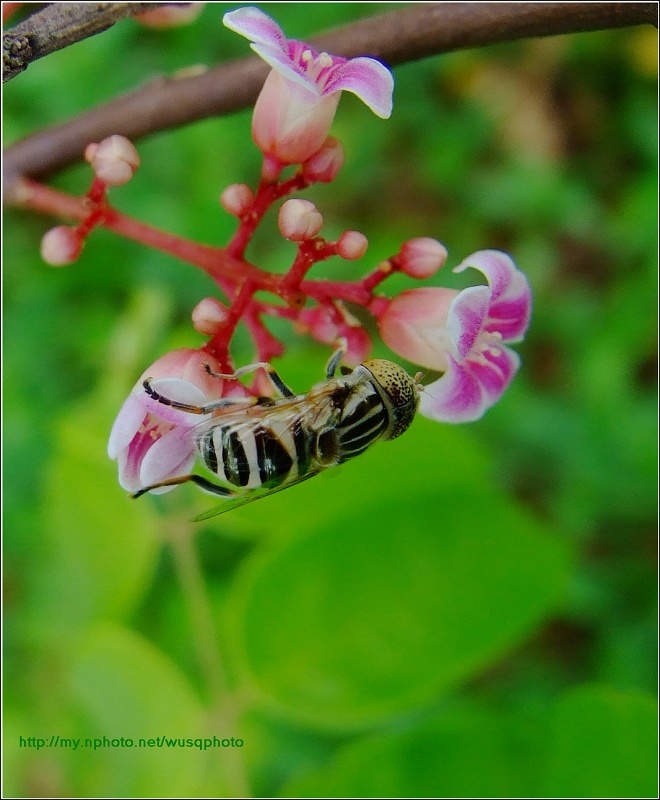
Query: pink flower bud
point(299, 220)
point(237, 199)
point(352, 245)
point(171, 16)
point(209, 316)
point(320, 322)
point(289, 122)
point(90, 150)
point(325, 164)
point(61, 245)
point(359, 343)
point(114, 160)
point(422, 257)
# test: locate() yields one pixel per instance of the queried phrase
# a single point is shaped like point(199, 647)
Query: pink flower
point(297, 104)
point(464, 334)
point(328, 327)
point(152, 441)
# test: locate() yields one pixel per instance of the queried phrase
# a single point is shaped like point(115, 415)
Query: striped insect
point(259, 445)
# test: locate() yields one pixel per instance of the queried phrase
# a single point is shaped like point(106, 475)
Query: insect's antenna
point(340, 351)
point(419, 377)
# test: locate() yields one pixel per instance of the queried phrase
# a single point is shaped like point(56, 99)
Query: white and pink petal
point(466, 318)
point(466, 391)
point(366, 78)
point(171, 456)
point(256, 26)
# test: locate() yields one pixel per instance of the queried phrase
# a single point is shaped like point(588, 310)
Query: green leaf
point(101, 544)
point(463, 752)
point(127, 688)
point(393, 601)
point(603, 744)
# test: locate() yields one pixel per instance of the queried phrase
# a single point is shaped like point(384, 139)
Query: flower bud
point(171, 16)
point(289, 121)
point(61, 245)
point(114, 160)
point(209, 316)
point(352, 245)
point(320, 323)
point(422, 257)
point(299, 220)
point(237, 199)
point(325, 164)
point(90, 150)
point(358, 341)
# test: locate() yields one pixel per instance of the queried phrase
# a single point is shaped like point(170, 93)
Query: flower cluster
point(464, 335)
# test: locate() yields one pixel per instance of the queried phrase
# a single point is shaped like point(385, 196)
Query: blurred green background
point(466, 611)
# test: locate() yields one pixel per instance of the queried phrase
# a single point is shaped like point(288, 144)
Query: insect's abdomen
point(363, 421)
point(254, 456)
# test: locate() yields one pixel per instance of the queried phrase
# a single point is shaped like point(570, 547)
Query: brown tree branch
point(396, 37)
point(59, 25)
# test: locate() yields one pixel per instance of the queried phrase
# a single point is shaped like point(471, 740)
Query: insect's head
point(399, 391)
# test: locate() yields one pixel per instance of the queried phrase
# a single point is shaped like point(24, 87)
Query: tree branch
point(396, 37)
point(58, 25)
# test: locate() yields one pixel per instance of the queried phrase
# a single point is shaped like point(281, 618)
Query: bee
point(256, 446)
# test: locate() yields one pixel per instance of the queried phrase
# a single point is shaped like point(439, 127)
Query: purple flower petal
point(511, 298)
point(282, 63)
point(511, 317)
point(128, 421)
point(257, 27)
point(466, 391)
point(495, 371)
point(455, 397)
point(467, 314)
point(367, 78)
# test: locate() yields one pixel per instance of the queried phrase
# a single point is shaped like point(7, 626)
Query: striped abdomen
point(251, 456)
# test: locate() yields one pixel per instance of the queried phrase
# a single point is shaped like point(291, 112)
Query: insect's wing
point(249, 413)
point(254, 494)
point(282, 415)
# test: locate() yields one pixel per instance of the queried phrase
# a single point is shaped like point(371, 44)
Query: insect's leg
point(270, 371)
point(191, 409)
point(340, 351)
point(203, 483)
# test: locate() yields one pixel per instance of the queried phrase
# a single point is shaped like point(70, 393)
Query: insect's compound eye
point(398, 385)
point(401, 391)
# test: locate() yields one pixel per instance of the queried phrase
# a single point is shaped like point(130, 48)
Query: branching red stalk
point(227, 270)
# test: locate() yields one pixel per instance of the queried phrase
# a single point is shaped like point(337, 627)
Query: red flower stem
point(215, 261)
point(324, 291)
point(219, 344)
point(97, 192)
point(382, 271)
point(226, 270)
point(267, 346)
point(267, 194)
point(309, 253)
